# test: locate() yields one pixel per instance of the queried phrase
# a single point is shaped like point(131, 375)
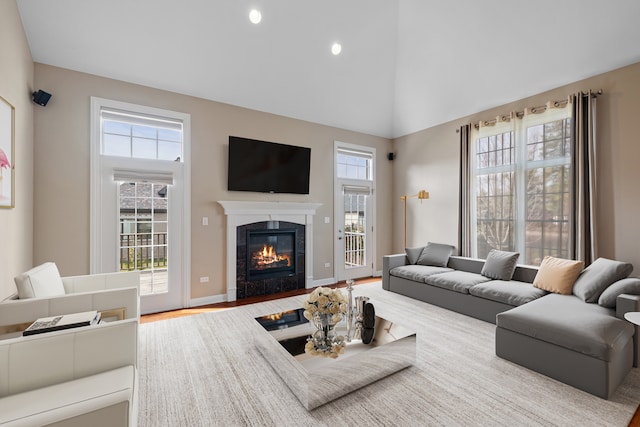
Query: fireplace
point(245, 214)
point(271, 253)
point(270, 258)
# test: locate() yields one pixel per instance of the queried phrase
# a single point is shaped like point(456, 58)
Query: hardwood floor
point(224, 305)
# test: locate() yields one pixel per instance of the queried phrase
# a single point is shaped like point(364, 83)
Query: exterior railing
point(143, 251)
point(354, 249)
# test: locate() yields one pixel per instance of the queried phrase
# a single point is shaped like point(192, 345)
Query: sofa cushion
point(413, 254)
point(43, 281)
point(557, 275)
point(417, 273)
point(509, 292)
point(630, 286)
point(458, 281)
point(569, 322)
point(435, 254)
point(598, 276)
point(500, 264)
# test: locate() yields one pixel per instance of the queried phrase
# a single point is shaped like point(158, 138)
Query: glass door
point(143, 243)
point(354, 235)
point(353, 215)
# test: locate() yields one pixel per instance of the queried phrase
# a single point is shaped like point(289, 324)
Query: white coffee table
point(633, 317)
point(316, 380)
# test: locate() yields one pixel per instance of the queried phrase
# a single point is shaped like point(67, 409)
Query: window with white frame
point(521, 175)
point(354, 165)
point(133, 135)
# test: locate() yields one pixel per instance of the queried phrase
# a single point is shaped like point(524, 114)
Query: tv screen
point(268, 167)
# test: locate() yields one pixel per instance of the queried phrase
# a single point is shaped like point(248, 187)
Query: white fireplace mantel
point(241, 213)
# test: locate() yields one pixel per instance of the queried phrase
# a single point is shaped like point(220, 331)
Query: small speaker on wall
point(391, 156)
point(41, 97)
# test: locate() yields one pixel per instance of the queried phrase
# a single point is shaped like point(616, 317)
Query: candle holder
point(349, 309)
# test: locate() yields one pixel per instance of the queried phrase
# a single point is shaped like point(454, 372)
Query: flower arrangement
point(325, 301)
point(325, 307)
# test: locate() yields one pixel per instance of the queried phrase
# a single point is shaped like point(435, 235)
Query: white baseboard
point(213, 299)
point(324, 282)
point(377, 273)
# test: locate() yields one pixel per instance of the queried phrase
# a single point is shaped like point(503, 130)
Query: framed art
point(7, 146)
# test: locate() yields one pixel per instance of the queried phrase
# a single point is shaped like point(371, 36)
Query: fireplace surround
point(269, 258)
point(241, 213)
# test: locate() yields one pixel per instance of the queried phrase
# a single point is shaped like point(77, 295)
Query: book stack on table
point(64, 321)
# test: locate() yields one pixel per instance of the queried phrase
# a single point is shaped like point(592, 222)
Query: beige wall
point(61, 223)
point(16, 85)
point(429, 159)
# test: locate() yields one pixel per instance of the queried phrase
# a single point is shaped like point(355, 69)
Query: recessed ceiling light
point(336, 48)
point(255, 16)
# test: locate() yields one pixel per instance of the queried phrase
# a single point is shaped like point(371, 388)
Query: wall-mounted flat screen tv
point(268, 167)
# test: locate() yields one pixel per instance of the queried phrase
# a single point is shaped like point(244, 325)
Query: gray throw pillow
point(500, 265)
point(435, 254)
point(413, 254)
point(624, 286)
point(598, 276)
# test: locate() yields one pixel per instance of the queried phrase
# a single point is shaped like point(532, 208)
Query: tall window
point(521, 170)
point(140, 198)
point(355, 172)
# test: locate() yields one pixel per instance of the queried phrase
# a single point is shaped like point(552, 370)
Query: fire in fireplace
point(271, 253)
point(267, 257)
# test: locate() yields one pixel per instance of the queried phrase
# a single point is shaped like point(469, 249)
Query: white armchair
point(75, 377)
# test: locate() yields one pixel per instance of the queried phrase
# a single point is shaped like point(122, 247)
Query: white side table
point(633, 317)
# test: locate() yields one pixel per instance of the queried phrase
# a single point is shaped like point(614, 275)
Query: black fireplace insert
point(271, 253)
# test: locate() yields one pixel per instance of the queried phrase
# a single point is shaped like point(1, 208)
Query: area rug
point(205, 370)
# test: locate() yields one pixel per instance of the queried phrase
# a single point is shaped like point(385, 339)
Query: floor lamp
point(422, 195)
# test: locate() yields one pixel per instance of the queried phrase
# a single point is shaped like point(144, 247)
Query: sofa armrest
point(86, 401)
point(15, 313)
point(389, 262)
point(626, 303)
point(100, 282)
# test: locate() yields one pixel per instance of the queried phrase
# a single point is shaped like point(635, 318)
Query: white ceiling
point(405, 65)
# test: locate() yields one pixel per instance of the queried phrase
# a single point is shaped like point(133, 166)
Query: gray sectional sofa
point(587, 345)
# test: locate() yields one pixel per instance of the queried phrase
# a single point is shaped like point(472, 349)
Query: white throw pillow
point(43, 281)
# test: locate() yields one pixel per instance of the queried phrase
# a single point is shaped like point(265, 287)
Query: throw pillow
point(557, 275)
point(435, 254)
point(42, 281)
point(413, 254)
point(500, 265)
point(598, 276)
point(624, 286)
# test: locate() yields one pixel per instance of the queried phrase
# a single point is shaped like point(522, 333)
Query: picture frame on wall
point(7, 148)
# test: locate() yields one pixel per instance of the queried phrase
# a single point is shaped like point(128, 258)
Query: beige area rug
point(204, 370)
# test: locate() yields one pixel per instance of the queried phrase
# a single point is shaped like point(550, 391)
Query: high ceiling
point(405, 65)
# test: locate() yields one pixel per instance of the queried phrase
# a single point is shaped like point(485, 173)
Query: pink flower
point(4, 162)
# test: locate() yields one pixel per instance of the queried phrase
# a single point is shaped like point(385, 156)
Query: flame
point(267, 256)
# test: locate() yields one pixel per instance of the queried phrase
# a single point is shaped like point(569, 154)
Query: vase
point(324, 336)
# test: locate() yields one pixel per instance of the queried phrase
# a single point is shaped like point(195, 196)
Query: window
point(521, 171)
point(140, 136)
point(354, 165)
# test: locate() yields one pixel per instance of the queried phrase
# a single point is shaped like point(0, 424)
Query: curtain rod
point(539, 109)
